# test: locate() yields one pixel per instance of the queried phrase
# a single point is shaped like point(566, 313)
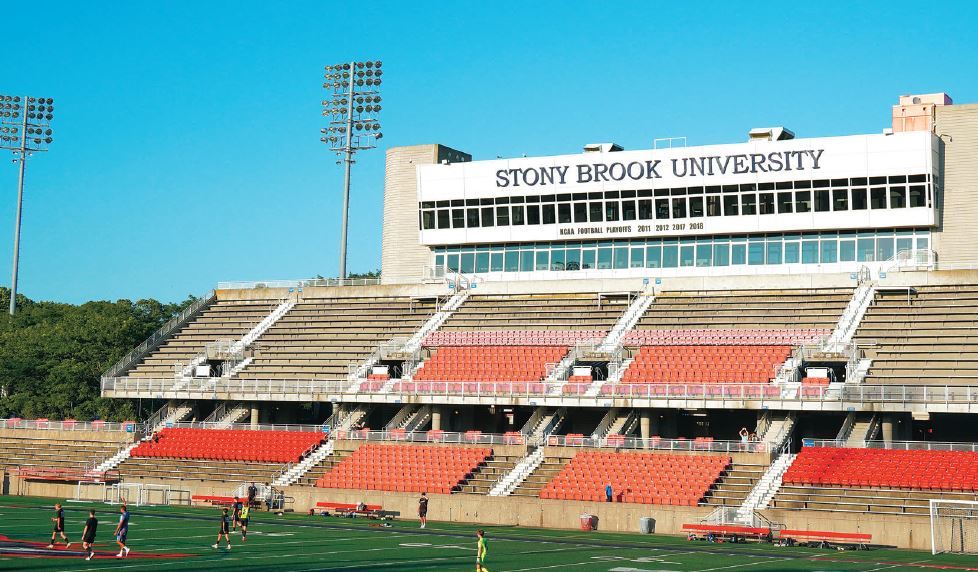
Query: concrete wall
point(100, 436)
point(403, 258)
point(957, 125)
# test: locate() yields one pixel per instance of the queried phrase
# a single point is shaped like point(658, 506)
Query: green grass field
point(172, 538)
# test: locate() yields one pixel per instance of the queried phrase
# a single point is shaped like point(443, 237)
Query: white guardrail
point(894, 445)
point(857, 393)
point(306, 283)
point(612, 441)
point(69, 425)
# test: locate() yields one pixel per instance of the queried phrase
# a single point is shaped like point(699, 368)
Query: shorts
point(89, 540)
point(121, 537)
point(422, 513)
point(59, 528)
point(225, 530)
point(244, 521)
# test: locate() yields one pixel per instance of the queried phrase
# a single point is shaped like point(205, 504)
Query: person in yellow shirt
point(481, 552)
point(243, 519)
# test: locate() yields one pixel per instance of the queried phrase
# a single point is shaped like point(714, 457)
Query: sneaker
point(214, 546)
point(119, 555)
point(89, 557)
point(229, 547)
point(50, 546)
point(126, 550)
point(68, 545)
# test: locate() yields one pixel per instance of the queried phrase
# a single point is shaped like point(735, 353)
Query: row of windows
point(814, 248)
point(613, 206)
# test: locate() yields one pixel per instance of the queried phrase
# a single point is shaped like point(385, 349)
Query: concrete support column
point(645, 424)
point(435, 417)
point(254, 416)
point(886, 428)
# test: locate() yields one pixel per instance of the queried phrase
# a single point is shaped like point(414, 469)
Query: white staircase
point(230, 416)
point(167, 415)
point(117, 459)
point(548, 422)
point(778, 429)
point(557, 377)
point(624, 424)
point(435, 321)
point(419, 420)
point(862, 428)
point(626, 322)
point(241, 344)
point(354, 416)
point(765, 489)
point(851, 317)
point(295, 472)
point(508, 483)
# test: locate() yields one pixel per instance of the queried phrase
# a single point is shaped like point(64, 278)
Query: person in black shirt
point(88, 535)
point(59, 526)
point(225, 530)
point(252, 493)
point(423, 509)
point(236, 513)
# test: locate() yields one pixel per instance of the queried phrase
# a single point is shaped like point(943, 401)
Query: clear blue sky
point(187, 134)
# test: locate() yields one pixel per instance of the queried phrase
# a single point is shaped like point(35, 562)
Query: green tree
point(52, 355)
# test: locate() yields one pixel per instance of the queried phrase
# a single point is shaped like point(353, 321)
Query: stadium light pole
point(25, 129)
point(353, 110)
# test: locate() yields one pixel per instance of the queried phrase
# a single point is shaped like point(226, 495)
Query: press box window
point(518, 219)
point(611, 211)
point(487, 218)
point(645, 209)
point(730, 205)
point(427, 220)
point(877, 198)
point(597, 213)
point(580, 212)
point(532, 214)
point(918, 196)
point(859, 199)
point(803, 201)
point(458, 218)
point(695, 206)
point(821, 201)
point(502, 216)
point(840, 200)
point(766, 203)
point(898, 197)
point(563, 213)
point(784, 203)
point(628, 210)
point(549, 214)
point(748, 204)
point(472, 218)
point(443, 219)
point(713, 205)
point(662, 208)
point(679, 208)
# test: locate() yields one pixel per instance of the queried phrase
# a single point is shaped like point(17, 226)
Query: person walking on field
point(59, 526)
point(482, 550)
point(88, 535)
point(224, 531)
point(121, 530)
point(423, 509)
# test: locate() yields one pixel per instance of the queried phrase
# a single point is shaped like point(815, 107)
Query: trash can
point(646, 525)
point(587, 522)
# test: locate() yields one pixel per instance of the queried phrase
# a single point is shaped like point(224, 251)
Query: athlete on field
point(59, 526)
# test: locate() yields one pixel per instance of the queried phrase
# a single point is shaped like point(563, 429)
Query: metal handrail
point(159, 335)
point(303, 283)
point(895, 445)
point(69, 425)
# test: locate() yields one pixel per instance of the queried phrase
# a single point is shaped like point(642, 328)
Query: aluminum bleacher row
point(705, 364)
point(512, 338)
point(646, 478)
point(491, 363)
point(405, 468)
point(922, 336)
point(229, 445)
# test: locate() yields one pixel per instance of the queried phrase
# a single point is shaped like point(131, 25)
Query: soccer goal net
point(953, 526)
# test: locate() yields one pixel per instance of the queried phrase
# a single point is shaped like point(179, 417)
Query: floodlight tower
point(25, 129)
point(353, 110)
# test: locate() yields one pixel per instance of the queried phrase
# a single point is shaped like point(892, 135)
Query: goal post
point(953, 526)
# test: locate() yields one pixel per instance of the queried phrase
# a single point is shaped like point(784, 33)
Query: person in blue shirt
point(608, 492)
point(121, 530)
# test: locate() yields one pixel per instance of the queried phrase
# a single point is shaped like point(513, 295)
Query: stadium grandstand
point(768, 334)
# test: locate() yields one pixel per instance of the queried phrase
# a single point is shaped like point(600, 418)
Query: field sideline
point(178, 538)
